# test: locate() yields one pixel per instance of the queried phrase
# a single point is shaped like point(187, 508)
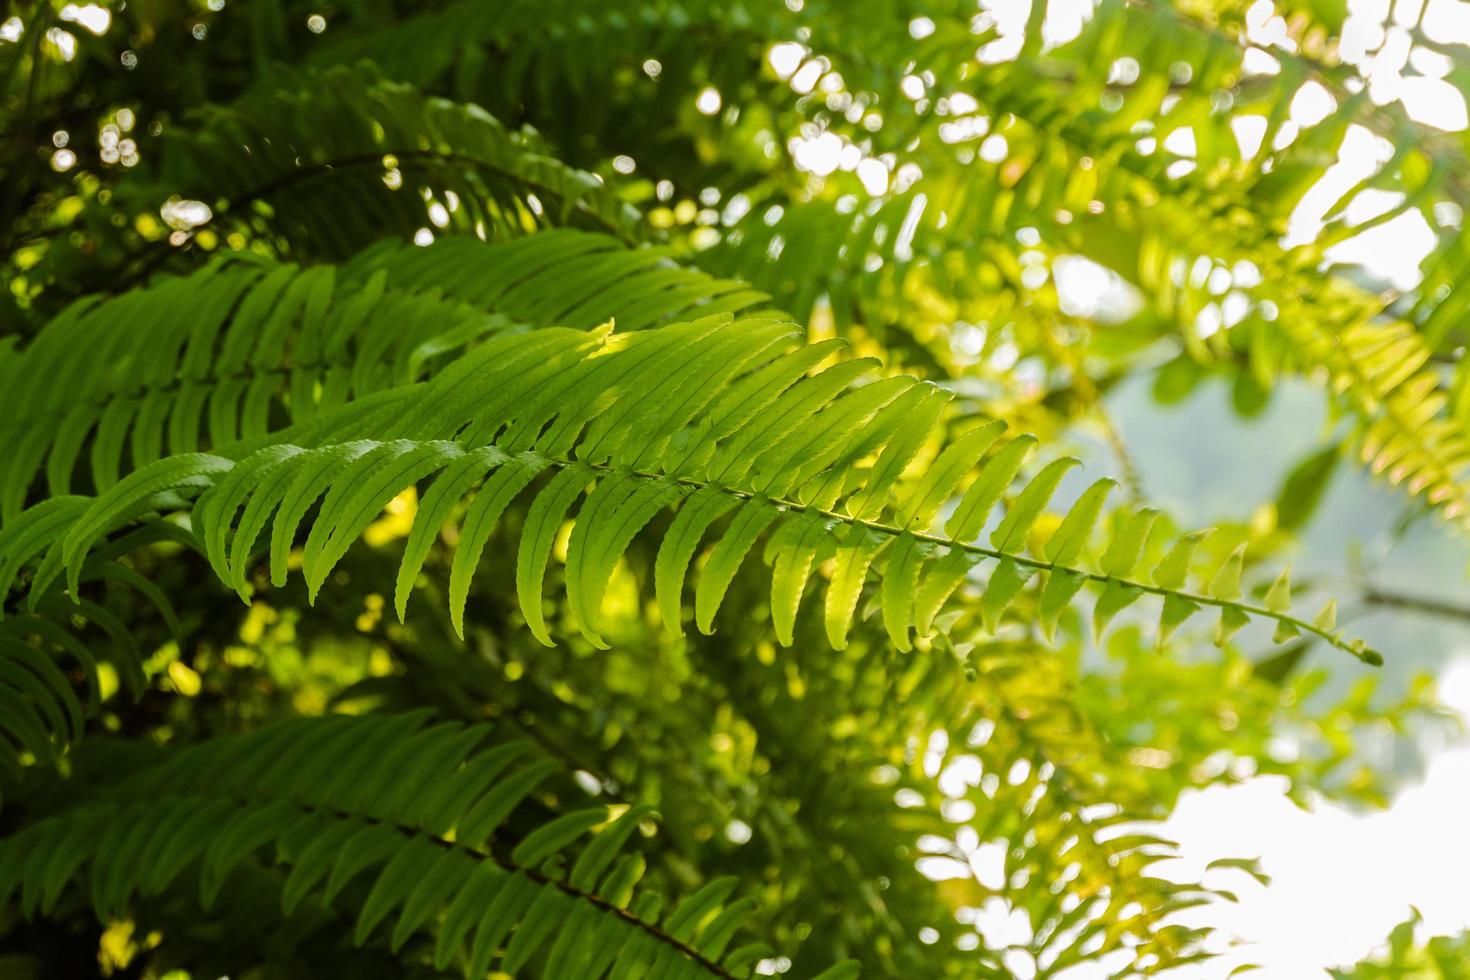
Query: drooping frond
point(327, 162)
point(40, 710)
point(1413, 430)
point(717, 419)
point(328, 799)
point(244, 347)
point(52, 646)
point(1039, 794)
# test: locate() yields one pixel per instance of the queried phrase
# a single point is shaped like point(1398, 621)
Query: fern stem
point(431, 156)
point(539, 877)
point(1429, 607)
point(1367, 656)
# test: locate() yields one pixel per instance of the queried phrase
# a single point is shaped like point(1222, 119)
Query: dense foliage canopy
point(579, 488)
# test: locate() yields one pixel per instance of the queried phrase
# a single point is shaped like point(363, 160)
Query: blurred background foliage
point(1127, 227)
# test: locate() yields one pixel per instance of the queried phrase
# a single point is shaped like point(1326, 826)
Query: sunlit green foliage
point(642, 437)
point(1440, 958)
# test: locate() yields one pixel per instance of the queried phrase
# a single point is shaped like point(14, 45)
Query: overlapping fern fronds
point(718, 417)
point(53, 645)
point(324, 798)
point(578, 67)
point(237, 351)
point(244, 347)
point(625, 445)
point(1083, 152)
point(1093, 163)
point(989, 750)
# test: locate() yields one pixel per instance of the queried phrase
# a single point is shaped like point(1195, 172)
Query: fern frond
point(1413, 430)
point(1060, 821)
point(575, 66)
point(423, 49)
point(51, 647)
point(243, 347)
point(561, 278)
point(43, 711)
point(206, 360)
point(718, 420)
point(330, 161)
point(333, 798)
point(718, 417)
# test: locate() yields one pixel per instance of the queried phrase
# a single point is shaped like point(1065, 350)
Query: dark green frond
point(327, 162)
point(560, 278)
point(576, 67)
point(436, 816)
point(231, 352)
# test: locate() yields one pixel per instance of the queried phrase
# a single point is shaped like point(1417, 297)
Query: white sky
point(1341, 880)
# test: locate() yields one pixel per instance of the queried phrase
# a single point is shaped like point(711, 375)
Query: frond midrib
point(325, 168)
point(479, 854)
point(893, 531)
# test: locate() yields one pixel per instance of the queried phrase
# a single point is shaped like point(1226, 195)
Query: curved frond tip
point(340, 156)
